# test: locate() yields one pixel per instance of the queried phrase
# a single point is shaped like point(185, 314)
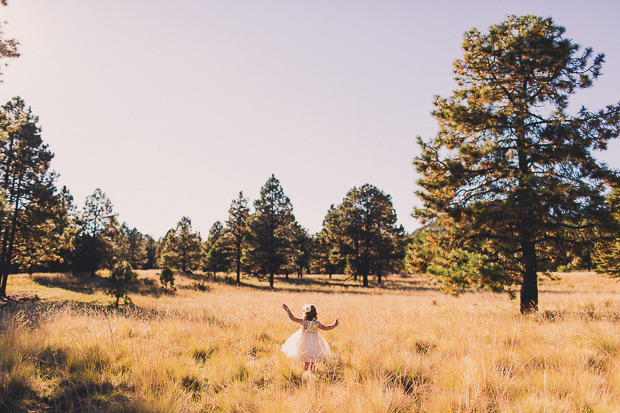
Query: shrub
point(122, 277)
point(166, 277)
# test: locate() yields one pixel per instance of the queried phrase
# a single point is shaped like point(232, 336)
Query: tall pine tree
point(25, 177)
point(269, 228)
point(368, 225)
point(95, 246)
point(236, 228)
point(215, 250)
point(181, 247)
point(511, 169)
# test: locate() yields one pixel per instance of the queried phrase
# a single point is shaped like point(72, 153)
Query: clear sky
point(172, 108)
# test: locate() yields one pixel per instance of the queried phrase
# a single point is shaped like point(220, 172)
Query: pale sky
point(172, 108)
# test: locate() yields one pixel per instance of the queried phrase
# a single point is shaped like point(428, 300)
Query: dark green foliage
point(269, 229)
point(98, 215)
point(130, 246)
point(300, 251)
point(321, 252)
point(236, 228)
point(216, 250)
point(151, 251)
point(46, 231)
point(26, 182)
point(421, 251)
point(121, 278)
point(166, 277)
point(361, 234)
point(181, 247)
point(607, 252)
point(330, 251)
point(96, 243)
point(456, 269)
point(510, 169)
point(607, 258)
point(90, 254)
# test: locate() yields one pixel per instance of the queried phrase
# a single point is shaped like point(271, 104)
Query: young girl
point(306, 344)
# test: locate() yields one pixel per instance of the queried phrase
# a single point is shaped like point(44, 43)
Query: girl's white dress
point(306, 344)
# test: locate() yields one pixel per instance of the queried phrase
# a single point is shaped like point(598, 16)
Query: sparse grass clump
point(397, 349)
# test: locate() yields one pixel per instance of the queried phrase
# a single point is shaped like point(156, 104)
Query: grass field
point(404, 347)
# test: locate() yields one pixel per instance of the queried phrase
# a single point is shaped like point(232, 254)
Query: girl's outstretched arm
point(322, 327)
point(290, 315)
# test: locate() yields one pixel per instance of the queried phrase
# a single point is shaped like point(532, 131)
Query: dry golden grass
point(404, 347)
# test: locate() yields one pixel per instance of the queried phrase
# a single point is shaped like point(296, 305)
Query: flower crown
point(306, 308)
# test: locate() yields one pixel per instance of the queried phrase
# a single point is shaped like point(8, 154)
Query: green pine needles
point(511, 174)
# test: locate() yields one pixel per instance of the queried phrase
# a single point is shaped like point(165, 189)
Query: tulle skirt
point(306, 346)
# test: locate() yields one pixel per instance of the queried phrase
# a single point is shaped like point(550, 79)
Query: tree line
point(43, 230)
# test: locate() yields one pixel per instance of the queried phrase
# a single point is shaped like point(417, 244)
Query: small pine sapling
point(166, 277)
point(122, 277)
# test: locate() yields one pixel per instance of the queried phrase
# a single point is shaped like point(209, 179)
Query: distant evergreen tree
point(269, 228)
point(321, 261)
point(46, 231)
point(300, 249)
point(131, 246)
point(363, 230)
point(181, 247)
point(512, 170)
point(236, 228)
point(215, 250)
point(151, 248)
point(95, 246)
point(332, 248)
point(606, 255)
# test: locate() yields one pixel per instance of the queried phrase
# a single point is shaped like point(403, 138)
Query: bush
point(166, 277)
point(122, 277)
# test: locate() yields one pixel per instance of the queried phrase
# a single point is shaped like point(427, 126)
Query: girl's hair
point(310, 315)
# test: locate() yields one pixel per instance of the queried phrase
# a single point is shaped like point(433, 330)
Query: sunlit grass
point(404, 347)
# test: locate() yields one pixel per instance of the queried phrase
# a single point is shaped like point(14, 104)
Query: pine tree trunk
point(11, 245)
point(238, 259)
point(238, 274)
point(365, 271)
point(7, 243)
point(526, 197)
point(3, 278)
point(270, 279)
point(529, 288)
point(7, 166)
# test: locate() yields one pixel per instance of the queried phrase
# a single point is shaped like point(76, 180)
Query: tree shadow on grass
point(328, 286)
point(66, 281)
point(90, 285)
point(150, 287)
point(33, 312)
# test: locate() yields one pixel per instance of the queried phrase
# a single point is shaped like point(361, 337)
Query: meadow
point(215, 347)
